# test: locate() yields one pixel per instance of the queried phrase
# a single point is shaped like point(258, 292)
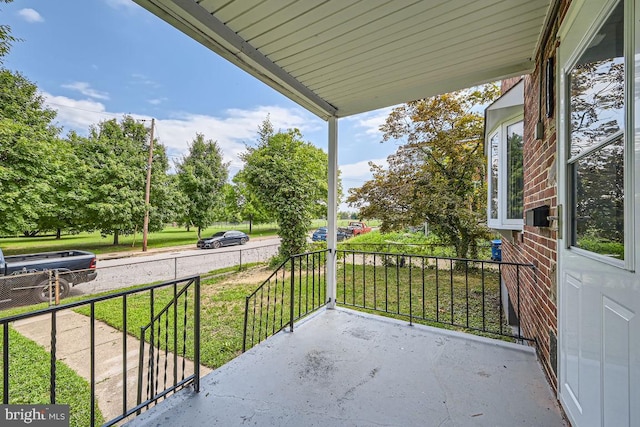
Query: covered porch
point(342, 367)
point(339, 367)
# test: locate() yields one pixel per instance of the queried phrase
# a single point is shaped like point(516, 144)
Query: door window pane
point(515, 184)
point(597, 114)
point(599, 201)
point(597, 86)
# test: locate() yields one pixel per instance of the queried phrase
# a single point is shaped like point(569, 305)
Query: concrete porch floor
point(344, 368)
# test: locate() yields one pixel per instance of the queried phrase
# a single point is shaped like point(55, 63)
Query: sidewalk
point(73, 348)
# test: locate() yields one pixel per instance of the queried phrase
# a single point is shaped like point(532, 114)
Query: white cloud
point(142, 79)
point(86, 89)
point(75, 114)
point(80, 115)
point(355, 174)
point(30, 15)
point(232, 131)
point(156, 101)
point(370, 122)
point(128, 4)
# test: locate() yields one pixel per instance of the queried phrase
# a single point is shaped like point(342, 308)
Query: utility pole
point(147, 193)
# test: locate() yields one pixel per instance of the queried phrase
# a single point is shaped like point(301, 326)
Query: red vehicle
point(356, 227)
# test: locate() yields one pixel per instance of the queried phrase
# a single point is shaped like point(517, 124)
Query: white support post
point(332, 211)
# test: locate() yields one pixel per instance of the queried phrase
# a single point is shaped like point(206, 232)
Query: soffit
point(338, 57)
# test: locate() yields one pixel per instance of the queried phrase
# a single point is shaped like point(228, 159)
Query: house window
point(505, 202)
point(504, 129)
point(514, 174)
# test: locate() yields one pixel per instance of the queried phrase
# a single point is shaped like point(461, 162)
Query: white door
point(598, 188)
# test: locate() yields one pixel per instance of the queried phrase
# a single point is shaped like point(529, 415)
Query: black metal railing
point(295, 289)
point(459, 293)
point(171, 334)
point(162, 335)
point(479, 251)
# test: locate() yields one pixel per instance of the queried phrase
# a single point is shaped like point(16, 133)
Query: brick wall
point(536, 245)
point(507, 84)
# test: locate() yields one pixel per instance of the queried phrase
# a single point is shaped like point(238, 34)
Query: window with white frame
point(504, 136)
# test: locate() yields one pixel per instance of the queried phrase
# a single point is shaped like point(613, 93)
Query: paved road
point(123, 272)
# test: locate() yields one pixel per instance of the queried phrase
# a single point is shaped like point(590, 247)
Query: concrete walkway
point(74, 349)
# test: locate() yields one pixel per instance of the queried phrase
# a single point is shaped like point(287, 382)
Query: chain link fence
point(31, 287)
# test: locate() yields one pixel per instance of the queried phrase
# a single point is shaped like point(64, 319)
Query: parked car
point(30, 273)
point(354, 228)
point(320, 235)
point(223, 238)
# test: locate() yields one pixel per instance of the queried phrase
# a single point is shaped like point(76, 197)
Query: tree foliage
point(289, 178)
point(437, 175)
point(114, 159)
point(242, 205)
point(201, 176)
point(32, 156)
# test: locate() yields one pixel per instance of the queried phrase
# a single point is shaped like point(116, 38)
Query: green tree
point(32, 156)
point(243, 205)
point(289, 178)
point(114, 159)
point(64, 211)
point(201, 176)
point(437, 175)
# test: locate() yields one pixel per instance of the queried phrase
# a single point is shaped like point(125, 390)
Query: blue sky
point(94, 60)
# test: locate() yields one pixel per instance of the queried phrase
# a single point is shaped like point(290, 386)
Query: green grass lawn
point(94, 242)
point(29, 380)
point(456, 299)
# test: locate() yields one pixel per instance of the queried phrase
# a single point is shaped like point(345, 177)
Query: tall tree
point(114, 158)
point(201, 176)
point(31, 155)
point(64, 211)
point(437, 175)
point(289, 178)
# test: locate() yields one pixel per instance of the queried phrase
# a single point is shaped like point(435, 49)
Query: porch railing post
point(519, 315)
point(5, 363)
point(246, 320)
point(54, 332)
point(332, 212)
point(292, 294)
point(196, 332)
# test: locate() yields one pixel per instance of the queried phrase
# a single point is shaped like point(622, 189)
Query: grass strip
point(29, 380)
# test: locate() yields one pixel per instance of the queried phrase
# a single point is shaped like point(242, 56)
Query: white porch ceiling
point(341, 57)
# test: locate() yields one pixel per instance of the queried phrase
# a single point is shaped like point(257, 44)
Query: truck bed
point(59, 260)
point(44, 255)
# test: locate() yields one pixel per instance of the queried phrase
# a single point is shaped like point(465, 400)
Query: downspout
point(332, 211)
